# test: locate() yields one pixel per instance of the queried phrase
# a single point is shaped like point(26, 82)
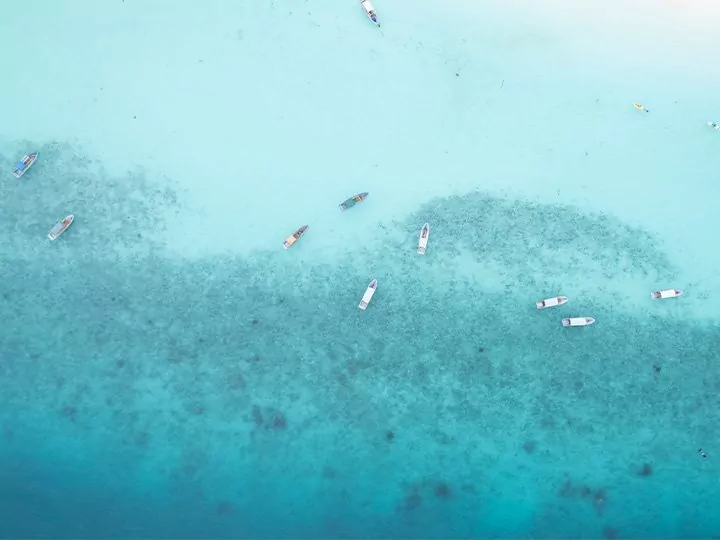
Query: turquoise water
point(168, 370)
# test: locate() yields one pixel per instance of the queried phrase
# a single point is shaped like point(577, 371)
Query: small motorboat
point(640, 107)
point(370, 10)
point(352, 201)
point(667, 293)
point(60, 227)
point(368, 295)
point(714, 125)
point(290, 240)
point(424, 235)
point(24, 164)
point(551, 302)
point(578, 321)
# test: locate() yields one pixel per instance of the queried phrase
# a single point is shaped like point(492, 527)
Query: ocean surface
point(167, 370)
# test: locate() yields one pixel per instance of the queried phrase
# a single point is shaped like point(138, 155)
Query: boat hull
point(25, 163)
point(423, 241)
point(578, 321)
point(551, 302)
point(60, 227)
point(370, 11)
point(290, 240)
point(369, 292)
point(667, 293)
point(352, 201)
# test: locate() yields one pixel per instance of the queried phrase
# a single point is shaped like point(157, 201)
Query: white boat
point(370, 10)
point(60, 227)
point(24, 164)
point(714, 125)
point(424, 235)
point(578, 321)
point(368, 295)
point(551, 302)
point(667, 293)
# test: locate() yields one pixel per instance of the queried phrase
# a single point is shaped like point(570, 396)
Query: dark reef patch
point(416, 492)
point(257, 417)
point(529, 447)
point(596, 496)
point(236, 381)
point(268, 419)
point(411, 501)
point(645, 470)
point(442, 491)
point(195, 408)
point(610, 533)
point(279, 421)
point(69, 412)
point(141, 439)
point(224, 508)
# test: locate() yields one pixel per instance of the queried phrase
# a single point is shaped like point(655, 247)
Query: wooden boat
point(424, 235)
point(368, 295)
point(551, 302)
point(578, 321)
point(640, 107)
point(290, 240)
point(60, 227)
point(24, 164)
point(352, 201)
point(370, 11)
point(667, 293)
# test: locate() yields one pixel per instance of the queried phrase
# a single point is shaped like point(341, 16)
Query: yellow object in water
point(640, 107)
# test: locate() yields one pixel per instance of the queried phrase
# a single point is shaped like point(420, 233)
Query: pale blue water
point(167, 370)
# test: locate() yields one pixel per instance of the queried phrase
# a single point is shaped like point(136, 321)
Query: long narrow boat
point(368, 295)
point(424, 235)
point(667, 293)
point(60, 227)
point(352, 201)
point(578, 321)
point(370, 11)
point(290, 240)
point(551, 302)
point(24, 164)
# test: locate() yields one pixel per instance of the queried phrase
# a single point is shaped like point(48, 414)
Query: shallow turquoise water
point(168, 370)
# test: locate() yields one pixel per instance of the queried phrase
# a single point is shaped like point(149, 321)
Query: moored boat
point(352, 201)
point(578, 321)
point(370, 11)
point(640, 107)
point(667, 293)
point(60, 227)
point(290, 240)
point(551, 302)
point(424, 235)
point(24, 164)
point(368, 295)
point(714, 125)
